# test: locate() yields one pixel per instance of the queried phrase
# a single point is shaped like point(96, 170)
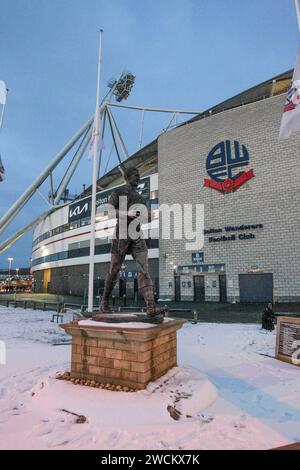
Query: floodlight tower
point(120, 89)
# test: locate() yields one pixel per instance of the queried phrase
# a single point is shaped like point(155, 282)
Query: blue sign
point(127, 274)
point(198, 257)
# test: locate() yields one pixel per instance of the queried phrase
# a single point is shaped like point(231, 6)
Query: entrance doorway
point(122, 287)
point(223, 288)
point(199, 289)
point(47, 280)
point(177, 289)
point(99, 287)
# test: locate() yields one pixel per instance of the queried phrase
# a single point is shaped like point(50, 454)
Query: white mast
point(298, 12)
point(2, 114)
point(96, 139)
point(3, 93)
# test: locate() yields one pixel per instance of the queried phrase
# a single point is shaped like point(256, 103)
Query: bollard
point(195, 317)
point(25, 304)
point(124, 300)
point(113, 300)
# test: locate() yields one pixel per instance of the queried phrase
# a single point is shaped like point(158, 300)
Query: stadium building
point(227, 158)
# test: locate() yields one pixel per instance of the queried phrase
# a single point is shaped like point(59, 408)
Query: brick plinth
point(131, 356)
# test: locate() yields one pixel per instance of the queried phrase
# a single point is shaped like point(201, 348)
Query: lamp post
point(10, 260)
point(17, 278)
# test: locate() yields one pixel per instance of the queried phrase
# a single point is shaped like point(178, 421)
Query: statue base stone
point(127, 354)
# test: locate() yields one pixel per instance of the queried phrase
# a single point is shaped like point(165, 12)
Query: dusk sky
point(186, 54)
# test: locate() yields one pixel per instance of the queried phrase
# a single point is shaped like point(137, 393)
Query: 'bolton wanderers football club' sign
point(224, 165)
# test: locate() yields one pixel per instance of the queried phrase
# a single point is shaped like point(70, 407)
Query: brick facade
point(272, 198)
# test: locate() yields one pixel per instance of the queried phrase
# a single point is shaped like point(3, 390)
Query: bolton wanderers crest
point(225, 165)
point(293, 97)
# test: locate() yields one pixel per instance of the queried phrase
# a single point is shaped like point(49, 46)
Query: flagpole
point(94, 181)
point(3, 96)
point(298, 12)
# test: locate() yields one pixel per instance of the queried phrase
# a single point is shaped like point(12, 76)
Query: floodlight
point(123, 86)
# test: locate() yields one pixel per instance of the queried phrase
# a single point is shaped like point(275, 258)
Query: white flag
point(96, 139)
point(290, 121)
point(3, 92)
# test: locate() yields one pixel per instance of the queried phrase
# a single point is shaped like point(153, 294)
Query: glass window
point(85, 221)
point(74, 225)
point(102, 249)
point(63, 255)
point(101, 217)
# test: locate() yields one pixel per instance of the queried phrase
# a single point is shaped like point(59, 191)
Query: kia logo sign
point(79, 210)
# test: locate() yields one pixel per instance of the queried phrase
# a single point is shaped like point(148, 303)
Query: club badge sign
point(225, 166)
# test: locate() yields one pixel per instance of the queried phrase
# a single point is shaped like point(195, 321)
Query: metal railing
point(34, 304)
point(62, 307)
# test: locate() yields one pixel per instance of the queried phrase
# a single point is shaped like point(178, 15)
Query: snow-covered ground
point(230, 394)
